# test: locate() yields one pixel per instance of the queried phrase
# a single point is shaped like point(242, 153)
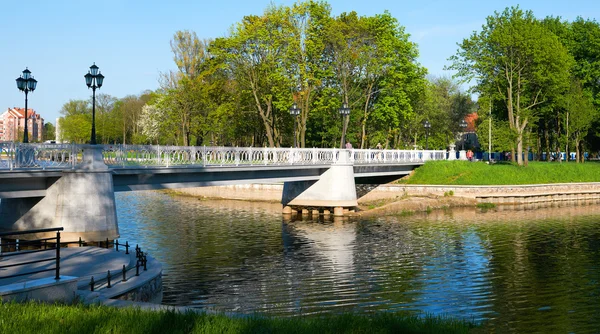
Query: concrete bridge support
point(82, 201)
point(334, 190)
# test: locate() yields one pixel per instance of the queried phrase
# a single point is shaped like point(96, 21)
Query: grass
point(44, 318)
point(486, 205)
point(480, 173)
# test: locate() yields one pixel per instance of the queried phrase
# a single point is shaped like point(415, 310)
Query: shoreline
point(390, 199)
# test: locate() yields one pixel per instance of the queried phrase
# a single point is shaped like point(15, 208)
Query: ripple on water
point(536, 272)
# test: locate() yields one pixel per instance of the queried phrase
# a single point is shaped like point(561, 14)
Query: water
point(524, 271)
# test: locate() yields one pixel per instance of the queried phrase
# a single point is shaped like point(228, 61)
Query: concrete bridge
point(72, 186)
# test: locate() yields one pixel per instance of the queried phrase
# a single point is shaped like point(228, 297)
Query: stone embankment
point(436, 194)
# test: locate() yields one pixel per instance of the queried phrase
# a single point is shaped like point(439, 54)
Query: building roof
point(20, 113)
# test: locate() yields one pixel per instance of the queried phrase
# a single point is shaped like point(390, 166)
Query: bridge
point(68, 185)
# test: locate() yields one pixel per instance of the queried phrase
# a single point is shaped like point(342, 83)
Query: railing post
point(123, 154)
point(124, 274)
point(92, 284)
point(265, 156)
point(204, 157)
point(10, 155)
point(158, 162)
point(57, 255)
point(117, 245)
point(108, 279)
point(236, 156)
point(314, 156)
point(137, 268)
point(126, 247)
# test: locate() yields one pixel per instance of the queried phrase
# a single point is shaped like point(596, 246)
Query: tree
point(518, 60)
point(579, 116)
point(76, 123)
point(49, 131)
point(75, 128)
point(305, 63)
point(253, 55)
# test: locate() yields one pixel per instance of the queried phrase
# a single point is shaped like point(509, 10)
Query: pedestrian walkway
point(80, 262)
point(85, 263)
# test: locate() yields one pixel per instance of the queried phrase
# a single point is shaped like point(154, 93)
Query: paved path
point(83, 263)
point(80, 262)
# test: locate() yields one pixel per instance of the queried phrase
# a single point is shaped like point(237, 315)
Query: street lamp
point(295, 111)
point(463, 126)
point(490, 133)
point(93, 79)
point(26, 83)
point(344, 111)
point(427, 127)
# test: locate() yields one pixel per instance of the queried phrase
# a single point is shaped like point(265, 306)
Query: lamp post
point(463, 126)
point(490, 133)
point(26, 83)
point(344, 111)
point(295, 111)
point(93, 79)
point(427, 127)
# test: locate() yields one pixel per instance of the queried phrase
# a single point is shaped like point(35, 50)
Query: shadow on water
point(522, 270)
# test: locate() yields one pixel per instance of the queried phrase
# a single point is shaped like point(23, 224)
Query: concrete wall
point(366, 193)
point(44, 289)
point(83, 203)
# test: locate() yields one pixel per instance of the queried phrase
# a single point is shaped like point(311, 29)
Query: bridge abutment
point(82, 201)
point(11, 209)
point(335, 189)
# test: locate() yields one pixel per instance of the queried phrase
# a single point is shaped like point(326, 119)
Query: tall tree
point(519, 60)
point(305, 50)
point(253, 54)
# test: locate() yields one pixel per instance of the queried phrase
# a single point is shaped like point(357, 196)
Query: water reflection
point(535, 271)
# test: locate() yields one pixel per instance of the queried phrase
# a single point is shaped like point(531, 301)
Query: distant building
point(12, 123)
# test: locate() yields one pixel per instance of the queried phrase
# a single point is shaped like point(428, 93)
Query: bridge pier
point(334, 190)
point(82, 201)
point(11, 209)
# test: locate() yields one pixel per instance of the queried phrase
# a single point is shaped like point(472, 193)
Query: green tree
point(518, 60)
point(49, 131)
point(253, 54)
point(580, 113)
point(305, 63)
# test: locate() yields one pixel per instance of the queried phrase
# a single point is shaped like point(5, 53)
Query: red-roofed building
point(12, 123)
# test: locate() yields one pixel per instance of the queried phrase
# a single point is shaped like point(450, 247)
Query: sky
point(58, 40)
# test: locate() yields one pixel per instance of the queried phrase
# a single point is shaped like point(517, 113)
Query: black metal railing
point(106, 281)
point(23, 247)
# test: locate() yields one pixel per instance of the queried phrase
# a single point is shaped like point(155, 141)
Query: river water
point(521, 270)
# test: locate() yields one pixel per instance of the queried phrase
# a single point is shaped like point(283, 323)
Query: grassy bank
point(42, 318)
point(480, 173)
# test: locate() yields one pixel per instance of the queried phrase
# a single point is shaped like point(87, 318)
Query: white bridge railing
point(68, 156)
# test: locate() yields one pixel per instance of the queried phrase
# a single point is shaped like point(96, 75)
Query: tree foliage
point(509, 59)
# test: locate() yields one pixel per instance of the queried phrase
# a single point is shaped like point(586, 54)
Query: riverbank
point(36, 318)
point(391, 199)
point(480, 173)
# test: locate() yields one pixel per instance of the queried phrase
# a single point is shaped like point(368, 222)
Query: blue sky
point(129, 39)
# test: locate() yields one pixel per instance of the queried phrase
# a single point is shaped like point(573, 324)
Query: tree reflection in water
point(521, 270)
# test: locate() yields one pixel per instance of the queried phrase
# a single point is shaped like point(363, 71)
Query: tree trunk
point(519, 150)
point(577, 151)
point(547, 140)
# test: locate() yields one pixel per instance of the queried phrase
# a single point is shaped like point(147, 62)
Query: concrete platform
point(84, 262)
point(74, 261)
